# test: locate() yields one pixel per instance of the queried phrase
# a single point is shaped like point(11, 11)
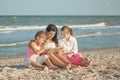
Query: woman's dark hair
point(52, 27)
point(67, 29)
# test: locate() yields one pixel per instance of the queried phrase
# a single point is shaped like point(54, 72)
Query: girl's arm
point(75, 46)
point(32, 46)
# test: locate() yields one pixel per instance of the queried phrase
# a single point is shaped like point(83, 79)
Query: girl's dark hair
point(52, 27)
point(67, 29)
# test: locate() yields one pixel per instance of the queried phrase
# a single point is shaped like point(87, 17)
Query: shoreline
point(106, 65)
point(81, 51)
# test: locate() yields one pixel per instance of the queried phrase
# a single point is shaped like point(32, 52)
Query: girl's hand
point(46, 50)
point(70, 55)
point(61, 49)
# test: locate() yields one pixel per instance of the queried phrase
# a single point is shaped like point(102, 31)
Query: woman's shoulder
point(48, 42)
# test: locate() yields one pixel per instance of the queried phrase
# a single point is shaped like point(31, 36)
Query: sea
point(91, 32)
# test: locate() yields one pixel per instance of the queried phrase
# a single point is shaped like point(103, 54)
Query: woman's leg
point(65, 60)
point(50, 64)
point(62, 58)
point(56, 61)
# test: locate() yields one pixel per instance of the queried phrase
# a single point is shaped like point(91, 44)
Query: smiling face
point(51, 34)
point(40, 37)
point(65, 35)
point(41, 40)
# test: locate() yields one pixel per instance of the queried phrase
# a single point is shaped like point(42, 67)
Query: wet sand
point(105, 66)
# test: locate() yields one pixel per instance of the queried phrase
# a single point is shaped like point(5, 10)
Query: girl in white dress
point(70, 48)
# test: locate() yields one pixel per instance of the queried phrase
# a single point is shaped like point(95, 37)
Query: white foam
point(102, 24)
point(97, 34)
point(85, 26)
point(3, 28)
point(22, 28)
point(92, 34)
point(6, 32)
point(13, 44)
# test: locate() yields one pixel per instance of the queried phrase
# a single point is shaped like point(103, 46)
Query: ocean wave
point(3, 28)
point(92, 34)
point(21, 28)
point(97, 34)
point(102, 24)
point(5, 32)
point(13, 44)
point(85, 26)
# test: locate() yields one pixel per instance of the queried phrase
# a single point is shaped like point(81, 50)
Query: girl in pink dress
point(36, 52)
point(70, 48)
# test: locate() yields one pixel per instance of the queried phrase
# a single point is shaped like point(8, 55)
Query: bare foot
point(53, 67)
point(45, 69)
point(68, 66)
point(74, 66)
point(79, 67)
point(85, 62)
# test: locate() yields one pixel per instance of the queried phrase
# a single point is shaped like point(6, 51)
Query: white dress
point(70, 45)
point(50, 45)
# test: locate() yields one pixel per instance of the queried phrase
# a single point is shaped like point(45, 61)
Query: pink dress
point(75, 59)
point(34, 57)
point(30, 53)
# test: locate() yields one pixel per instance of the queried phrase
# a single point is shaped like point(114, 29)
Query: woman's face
point(51, 34)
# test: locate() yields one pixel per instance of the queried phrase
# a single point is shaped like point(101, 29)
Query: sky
point(59, 7)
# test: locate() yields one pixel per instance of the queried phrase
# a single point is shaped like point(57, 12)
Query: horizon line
point(57, 15)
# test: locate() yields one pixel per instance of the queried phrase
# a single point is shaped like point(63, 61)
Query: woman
point(52, 44)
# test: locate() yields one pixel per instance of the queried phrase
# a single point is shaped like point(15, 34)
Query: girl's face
point(51, 34)
point(65, 35)
point(41, 40)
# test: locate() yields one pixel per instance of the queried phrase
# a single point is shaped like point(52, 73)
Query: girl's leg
point(36, 64)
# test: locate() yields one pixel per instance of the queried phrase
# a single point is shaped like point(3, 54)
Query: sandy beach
point(105, 66)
